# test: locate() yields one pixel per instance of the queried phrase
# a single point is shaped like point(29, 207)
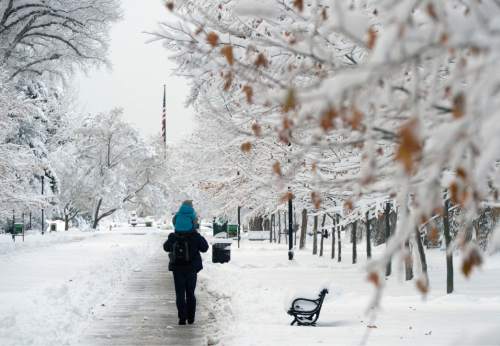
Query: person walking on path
point(184, 247)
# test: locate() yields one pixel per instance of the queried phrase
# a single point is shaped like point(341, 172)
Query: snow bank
point(49, 292)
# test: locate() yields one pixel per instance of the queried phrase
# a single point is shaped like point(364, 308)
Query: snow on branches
point(385, 99)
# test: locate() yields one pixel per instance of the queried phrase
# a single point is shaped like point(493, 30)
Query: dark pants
point(185, 284)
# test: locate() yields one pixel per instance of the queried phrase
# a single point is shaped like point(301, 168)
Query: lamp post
point(43, 210)
point(239, 225)
point(290, 226)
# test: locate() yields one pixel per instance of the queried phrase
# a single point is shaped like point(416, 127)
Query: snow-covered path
point(52, 288)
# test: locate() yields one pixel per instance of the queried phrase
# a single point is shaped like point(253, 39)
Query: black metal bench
point(306, 311)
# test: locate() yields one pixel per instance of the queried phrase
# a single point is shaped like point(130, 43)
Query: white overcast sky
point(139, 71)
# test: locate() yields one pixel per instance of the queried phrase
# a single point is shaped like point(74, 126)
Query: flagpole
point(164, 120)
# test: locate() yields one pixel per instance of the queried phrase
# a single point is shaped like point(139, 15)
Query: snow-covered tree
point(54, 36)
point(377, 99)
point(105, 166)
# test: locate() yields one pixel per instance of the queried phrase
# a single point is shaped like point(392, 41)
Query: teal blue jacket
point(186, 219)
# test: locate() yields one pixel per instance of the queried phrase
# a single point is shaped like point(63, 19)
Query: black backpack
point(181, 252)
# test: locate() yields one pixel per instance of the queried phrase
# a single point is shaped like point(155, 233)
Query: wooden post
point(449, 252)
point(387, 211)
point(303, 229)
point(315, 235)
point(368, 236)
point(354, 242)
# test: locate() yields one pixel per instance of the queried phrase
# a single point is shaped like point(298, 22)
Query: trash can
point(221, 251)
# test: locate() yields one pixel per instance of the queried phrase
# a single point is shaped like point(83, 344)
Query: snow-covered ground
point(52, 285)
point(252, 292)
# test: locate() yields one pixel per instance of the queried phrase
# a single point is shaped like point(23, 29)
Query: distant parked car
point(133, 219)
point(148, 221)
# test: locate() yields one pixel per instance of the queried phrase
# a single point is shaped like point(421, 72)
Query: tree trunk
point(322, 235)
point(321, 243)
point(354, 242)
point(387, 235)
point(339, 229)
point(421, 252)
point(408, 261)
point(315, 235)
point(96, 214)
point(368, 236)
point(279, 227)
point(271, 229)
point(449, 252)
point(303, 229)
point(66, 222)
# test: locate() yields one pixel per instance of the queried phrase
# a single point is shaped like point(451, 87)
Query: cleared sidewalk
point(146, 314)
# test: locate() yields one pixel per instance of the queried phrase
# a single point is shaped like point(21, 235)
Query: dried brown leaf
point(433, 235)
point(409, 146)
point(228, 81)
point(327, 119)
point(286, 197)
point(257, 129)
point(299, 4)
point(374, 278)
point(277, 168)
point(261, 61)
point(462, 173)
point(431, 11)
point(316, 199)
point(290, 101)
point(246, 147)
point(349, 205)
point(458, 106)
point(473, 258)
point(247, 89)
point(212, 39)
point(356, 119)
point(372, 38)
point(227, 51)
point(422, 285)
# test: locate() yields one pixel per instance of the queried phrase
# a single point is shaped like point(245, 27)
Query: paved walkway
point(146, 313)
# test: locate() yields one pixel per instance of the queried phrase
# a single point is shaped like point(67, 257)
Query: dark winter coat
point(196, 243)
